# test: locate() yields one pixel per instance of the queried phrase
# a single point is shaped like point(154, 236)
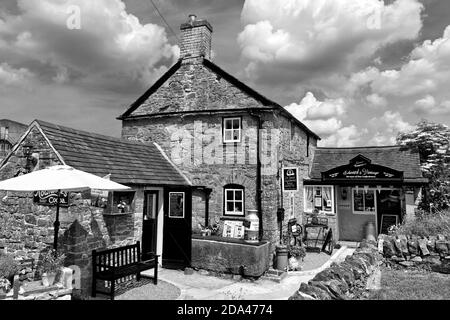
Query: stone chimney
point(195, 39)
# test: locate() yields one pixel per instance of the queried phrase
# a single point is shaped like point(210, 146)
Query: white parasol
point(59, 178)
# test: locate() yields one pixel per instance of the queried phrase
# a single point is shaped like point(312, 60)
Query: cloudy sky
point(355, 71)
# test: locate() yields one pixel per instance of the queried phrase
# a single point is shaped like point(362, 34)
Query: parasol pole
point(56, 223)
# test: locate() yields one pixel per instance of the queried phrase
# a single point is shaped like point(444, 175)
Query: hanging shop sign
point(49, 198)
point(290, 179)
point(361, 168)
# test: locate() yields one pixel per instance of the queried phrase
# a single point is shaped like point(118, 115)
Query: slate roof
point(128, 162)
point(219, 71)
point(394, 157)
point(16, 129)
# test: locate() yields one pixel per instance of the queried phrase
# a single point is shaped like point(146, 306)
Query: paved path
point(203, 287)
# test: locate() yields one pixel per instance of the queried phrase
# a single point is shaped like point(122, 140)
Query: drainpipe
point(258, 173)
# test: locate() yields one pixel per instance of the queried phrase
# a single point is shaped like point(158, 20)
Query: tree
point(432, 141)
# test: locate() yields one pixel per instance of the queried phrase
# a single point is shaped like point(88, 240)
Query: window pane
point(228, 124)
point(236, 135)
point(236, 124)
point(228, 135)
point(230, 195)
point(358, 203)
point(238, 195)
point(369, 200)
point(238, 206)
point(230, 206)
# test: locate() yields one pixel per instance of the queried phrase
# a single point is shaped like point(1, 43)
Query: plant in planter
point(48, 265)
point(5, 285)
point(9, 267)
point(208, 230)
point(297, 252)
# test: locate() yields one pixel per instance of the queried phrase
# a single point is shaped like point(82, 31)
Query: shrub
point(426, 224)
point(8, 266)
point(49, 262)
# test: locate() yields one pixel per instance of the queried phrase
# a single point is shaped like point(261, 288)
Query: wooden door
point(177, 228)
point(150, 223)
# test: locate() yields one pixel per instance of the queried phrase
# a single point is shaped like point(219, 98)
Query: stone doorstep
point(274, 275)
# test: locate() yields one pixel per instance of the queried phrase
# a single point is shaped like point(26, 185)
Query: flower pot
point(48, 278)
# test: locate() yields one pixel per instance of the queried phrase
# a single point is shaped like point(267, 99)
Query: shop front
point(361, 187)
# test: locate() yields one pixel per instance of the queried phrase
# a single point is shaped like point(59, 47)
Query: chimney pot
point(192, 18)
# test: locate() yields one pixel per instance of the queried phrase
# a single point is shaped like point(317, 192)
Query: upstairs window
point(233, 200)
point(232, 128)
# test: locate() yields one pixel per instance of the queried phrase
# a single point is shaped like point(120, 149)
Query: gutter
point(258, 172)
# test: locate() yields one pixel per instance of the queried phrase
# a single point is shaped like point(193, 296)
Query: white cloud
point(376, 100)
point(322, 117)
point(344, 137)
point(311, 37)
point(387, 127)
point(10, 76)
point(111, 49)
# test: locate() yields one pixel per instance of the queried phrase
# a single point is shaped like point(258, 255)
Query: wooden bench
point(114, 264)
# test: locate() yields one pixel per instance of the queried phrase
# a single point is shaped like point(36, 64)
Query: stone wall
point(431, 253)
point(344, 280)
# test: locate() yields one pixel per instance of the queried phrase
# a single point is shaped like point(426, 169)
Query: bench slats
point(120, 264)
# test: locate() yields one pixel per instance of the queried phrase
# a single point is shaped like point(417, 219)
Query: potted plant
point(49, 264)
point(5, 285)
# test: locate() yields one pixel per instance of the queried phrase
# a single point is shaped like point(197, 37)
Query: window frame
point(234, 188)
point(333, 204)
point(224, 129)
point(184, 205)
point(365, 212)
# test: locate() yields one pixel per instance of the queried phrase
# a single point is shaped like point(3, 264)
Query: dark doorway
point(388, 204)
point(177, 228)
point(149, 224)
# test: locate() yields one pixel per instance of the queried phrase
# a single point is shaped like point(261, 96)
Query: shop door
point(177, 228)
point(149, 224)
point(388, 203)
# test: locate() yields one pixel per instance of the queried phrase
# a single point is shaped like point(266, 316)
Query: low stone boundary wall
point(431, 253)
point(344, 280)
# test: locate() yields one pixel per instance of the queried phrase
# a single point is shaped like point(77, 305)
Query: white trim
point(333, 202)
point(159, 221)
point(184, 205)
point(225, 129)
point(374, 199)
point(234, 213)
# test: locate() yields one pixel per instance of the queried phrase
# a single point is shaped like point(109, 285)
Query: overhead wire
point(162, 17)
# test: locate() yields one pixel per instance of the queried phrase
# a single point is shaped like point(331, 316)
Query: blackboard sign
point(290, 179)
point(387, 220)
point(176, 204)
point(49, 198)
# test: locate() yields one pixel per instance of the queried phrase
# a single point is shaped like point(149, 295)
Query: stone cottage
point(91, 219)
point(230, 141)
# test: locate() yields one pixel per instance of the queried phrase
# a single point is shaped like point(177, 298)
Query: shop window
point(118, 202)
point(233, 200)
point(232, 128)
point(320, 198)
point(363, 201)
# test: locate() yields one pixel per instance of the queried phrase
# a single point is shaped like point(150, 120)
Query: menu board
point(233, 229)
point(387, 220)
point(49, 198)
point(290, 179)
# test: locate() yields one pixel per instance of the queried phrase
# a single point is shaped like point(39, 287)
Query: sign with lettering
point(290, 179)
point(361, 168)
point(387, 220)
point(49, 198)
